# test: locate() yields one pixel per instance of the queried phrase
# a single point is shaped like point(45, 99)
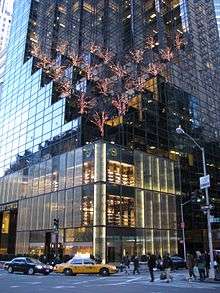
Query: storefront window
point(120, 211)
point(120, 173)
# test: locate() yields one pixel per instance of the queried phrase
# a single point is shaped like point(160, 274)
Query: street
point(20, 283)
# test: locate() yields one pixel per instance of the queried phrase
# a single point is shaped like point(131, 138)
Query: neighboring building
point(2, 68)
point(217, 12)
point(119, 194)
point(6, 10)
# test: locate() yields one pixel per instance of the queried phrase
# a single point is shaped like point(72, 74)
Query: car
point(84, 266)
point(178, 262)
point(28, 266)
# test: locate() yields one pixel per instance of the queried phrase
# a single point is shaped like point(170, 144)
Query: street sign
point(204, 182)
point(214, 220)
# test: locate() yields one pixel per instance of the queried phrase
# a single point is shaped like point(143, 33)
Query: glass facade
point(121, 195)
point(97, 204)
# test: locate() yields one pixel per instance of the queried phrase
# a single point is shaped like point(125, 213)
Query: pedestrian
point(126, 262)
point(136, 265)
point(207, 264)
point(151, 265)
point(167, 265)
point(190, 263)
point(201, 263)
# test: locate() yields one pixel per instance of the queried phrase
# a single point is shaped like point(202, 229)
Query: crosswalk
point(138, 282)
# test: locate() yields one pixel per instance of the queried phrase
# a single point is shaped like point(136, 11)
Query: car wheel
point(30, 271)
point(68, 272)
point(10, 270)
point(104, 272)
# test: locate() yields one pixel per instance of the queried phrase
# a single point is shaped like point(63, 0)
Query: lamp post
point(179, 130)
point(183, 228)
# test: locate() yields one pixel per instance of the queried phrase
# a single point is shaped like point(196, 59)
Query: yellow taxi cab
point(84, 266)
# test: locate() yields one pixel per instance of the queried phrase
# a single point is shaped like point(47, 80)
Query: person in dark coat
point(126, 262)
point(207, 264)
point(136, 265)
point(151, 265)
point(201, 263)
point(167, 265)
point(190, 263)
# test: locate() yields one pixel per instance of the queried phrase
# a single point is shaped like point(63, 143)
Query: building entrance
point(8, 225)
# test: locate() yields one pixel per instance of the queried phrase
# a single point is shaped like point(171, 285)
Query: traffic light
point(197, 197)
point(56, 224)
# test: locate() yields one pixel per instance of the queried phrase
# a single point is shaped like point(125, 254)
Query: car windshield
point(75, 261)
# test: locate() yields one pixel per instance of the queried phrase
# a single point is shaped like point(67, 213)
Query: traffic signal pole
point(212, 268)
point(179, 130)
point(56, 232)
point(183, 227)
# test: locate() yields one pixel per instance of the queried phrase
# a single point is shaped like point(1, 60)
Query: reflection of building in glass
point(217, 12)
point(120, 195)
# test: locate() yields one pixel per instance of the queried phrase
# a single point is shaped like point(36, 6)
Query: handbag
point(196, 270)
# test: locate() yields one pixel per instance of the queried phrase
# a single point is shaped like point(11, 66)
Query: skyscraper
point(217, 12)
point(6, 10)
point(94, 92)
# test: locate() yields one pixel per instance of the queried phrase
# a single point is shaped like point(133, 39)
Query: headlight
point(39, 267)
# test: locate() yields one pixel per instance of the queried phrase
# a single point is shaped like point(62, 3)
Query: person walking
point(200, 261)
point(167, 265)
point(151, 265)
point(126, 262)
point(207, 263)
point(136, 265)
point(190, 263)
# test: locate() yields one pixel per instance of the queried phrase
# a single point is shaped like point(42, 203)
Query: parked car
point(84, 266)
point(28, 266)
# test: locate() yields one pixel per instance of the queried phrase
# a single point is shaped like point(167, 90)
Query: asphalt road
point(20, 283)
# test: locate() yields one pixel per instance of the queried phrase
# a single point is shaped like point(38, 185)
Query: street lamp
point(179, 130)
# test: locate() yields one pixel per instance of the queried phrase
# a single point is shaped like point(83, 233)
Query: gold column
point(99, 220)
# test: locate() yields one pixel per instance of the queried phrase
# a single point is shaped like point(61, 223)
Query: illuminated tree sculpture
point(137, 55)
point(179, 41)
point(84, 103)
point(118, 70)
point(150, 42)
point(62, 48)
point(140, 84)
point(94, 49)
point(44, 62)
point(104, 86)
point(74, 58)
point(167, 54)
point(99, 119)
point(91, 71)
point(64, 87)
point(105, 55)
point(121, 104)
point(56, 72)
point(108, 81)
point(154, 69)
